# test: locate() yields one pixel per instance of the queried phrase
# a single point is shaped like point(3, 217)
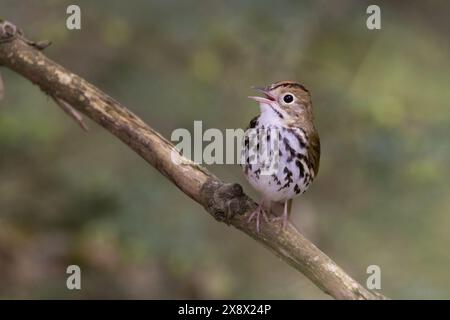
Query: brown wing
point(314, 151)
point(244, 150)
point(253, 123)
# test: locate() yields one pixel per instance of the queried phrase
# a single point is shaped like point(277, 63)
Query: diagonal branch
point(225, 202)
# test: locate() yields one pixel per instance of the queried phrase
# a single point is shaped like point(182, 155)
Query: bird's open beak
point(268, 98)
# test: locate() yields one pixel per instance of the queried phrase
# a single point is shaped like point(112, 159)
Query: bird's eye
point(288, 98)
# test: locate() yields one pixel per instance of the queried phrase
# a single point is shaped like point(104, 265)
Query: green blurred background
point(381, 101)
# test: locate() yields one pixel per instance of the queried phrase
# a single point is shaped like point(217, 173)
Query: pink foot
point(284, 217)
point(284, 220)
point(259, 211)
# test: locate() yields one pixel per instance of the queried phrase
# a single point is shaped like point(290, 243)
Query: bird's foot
point(256, 215)
point(283, 219)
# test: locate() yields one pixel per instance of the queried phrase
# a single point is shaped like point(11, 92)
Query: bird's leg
point(285, 216)
point(259, 211)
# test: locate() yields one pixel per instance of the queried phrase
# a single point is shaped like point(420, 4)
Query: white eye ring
point(288, 98)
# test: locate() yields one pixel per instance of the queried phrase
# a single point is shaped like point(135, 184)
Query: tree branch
point(225, 202)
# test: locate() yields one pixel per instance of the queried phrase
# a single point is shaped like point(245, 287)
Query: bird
point(281, 149)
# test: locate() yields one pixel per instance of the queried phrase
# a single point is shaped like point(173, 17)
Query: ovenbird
point(290, 144)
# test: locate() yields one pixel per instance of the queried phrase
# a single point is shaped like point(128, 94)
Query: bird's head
point(288, 100)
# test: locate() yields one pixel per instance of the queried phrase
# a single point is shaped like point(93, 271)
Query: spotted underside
point(277, 162)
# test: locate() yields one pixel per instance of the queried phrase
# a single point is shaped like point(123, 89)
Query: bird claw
point(259, 211)
point(283, 219)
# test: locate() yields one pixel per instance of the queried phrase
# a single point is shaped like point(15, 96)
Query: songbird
point(291, 143)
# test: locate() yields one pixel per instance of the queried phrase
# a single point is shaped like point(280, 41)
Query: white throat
point(269, 115)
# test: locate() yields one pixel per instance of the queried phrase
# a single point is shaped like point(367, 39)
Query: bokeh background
point(381, 101)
